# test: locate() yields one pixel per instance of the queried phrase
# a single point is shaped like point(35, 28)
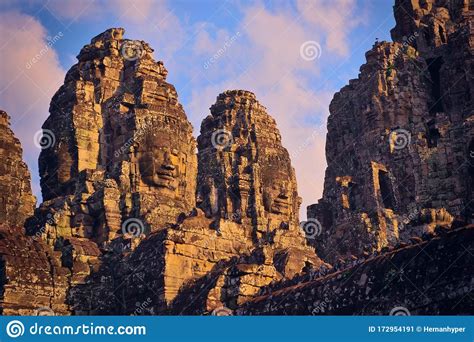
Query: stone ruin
point(431, 277)
point(17, 202)
point(244, 233)
point(119, 177)
point(134, 222)
point(124, 147)
point(400, 137)
point(245, 174)
point(31, 274)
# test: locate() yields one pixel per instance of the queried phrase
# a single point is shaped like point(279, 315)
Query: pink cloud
point(134, 10)
point(31, 74)
point(264, 57)
point(275, 70)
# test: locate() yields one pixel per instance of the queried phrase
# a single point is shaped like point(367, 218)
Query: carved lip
point(281, 205)
point(166, 175)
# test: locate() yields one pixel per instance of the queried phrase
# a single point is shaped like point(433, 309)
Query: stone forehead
point(111, 33)
point(168, 138)
point(231, 98)
point(237, 93)
point(244, 122)
point(170, 123)
point(166, 129)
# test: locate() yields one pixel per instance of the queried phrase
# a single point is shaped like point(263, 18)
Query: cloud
point(31, 73)
point(149, 20)
point(129, 10)
point(134, 10)
point(266, 59)
point(259, 51)
point(75, 10)
point(334, 18)
point(30, 68)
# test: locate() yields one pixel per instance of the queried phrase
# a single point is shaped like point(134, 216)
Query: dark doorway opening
point(351, 193)
point(434, 67)
point(386, 191)
point(432, 134)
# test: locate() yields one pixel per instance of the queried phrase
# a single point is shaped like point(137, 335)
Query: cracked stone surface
point(135, 221)
point(400, 137)
point(16, 199)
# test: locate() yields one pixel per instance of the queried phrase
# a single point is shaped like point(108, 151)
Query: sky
point(294, 55)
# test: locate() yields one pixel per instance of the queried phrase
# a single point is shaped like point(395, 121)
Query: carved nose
point(167, 163)
point(169, 166)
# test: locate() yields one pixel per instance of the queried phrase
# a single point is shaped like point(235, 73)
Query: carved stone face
point(164, 166)
point(276, 199)
point(160, 167)
point(163, 163)
point(278, 190)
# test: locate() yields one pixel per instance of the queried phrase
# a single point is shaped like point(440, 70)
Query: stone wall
point(123, 145)
point(432, 277)
point(134, 222)
point(400, 137)
point(17, 202)
point(244, 235)
point(32, 280)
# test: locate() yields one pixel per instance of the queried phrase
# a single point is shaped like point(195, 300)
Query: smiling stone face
point(279, 192)
point(160, 167)
point(276, 199)
point(167, 171)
